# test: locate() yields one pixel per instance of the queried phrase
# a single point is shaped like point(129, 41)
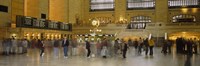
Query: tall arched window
point(140, 4)
point(184, 18)
point(101, 5)
point(183, 3)
point(139, 22)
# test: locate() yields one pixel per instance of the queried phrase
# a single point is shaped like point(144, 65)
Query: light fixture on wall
point(95, 22)
point(122, 21)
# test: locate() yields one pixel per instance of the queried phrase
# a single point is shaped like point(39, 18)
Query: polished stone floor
point(33, 59)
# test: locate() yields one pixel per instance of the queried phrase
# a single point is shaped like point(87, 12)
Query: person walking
point(41, 46)
point(8, 46)
point(65, 45)
point(116, 46)
point(151, 45)
point(136, 46)
point(4, 46)
point(14, 46)
point(164, 48)
point(25, 45)
point(140, 42)
point(125, 48)
point(195, 45)
point(169, 45)
point(88, 48)
point(146, 44)
point(98, 46)
point(56, 48)
point(74, 46)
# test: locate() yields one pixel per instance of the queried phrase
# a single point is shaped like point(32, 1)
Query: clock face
point(94, 22)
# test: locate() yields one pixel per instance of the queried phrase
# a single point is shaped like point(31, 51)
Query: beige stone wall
point(75, 10)
point(5, 18)
point(31, 8)
point(58, 10)
point(44, 8)
point(161, 11)
point(35, 8)
point(17, 9)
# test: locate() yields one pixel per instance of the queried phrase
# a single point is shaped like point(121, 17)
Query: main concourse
point(158, 59)
point(99, 32)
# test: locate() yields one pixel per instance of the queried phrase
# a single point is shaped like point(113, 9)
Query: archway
point(186, 35)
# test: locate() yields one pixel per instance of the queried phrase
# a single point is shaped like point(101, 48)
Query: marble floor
point(32, 58)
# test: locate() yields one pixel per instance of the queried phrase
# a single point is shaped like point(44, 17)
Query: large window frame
point(102, 5)
point(183, 3)
point(141, 5)
point(183, 18)
point(139, 22)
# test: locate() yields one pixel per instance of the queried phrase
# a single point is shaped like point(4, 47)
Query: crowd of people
point(187, 46)
point(13, 46)
point(107, 47)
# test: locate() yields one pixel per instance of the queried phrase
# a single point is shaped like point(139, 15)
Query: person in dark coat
point(195, 45)
point(65, 44)
point(169, 45)
point(146, 46)
point(88, 48)
point(41, 46)
point(164, 48)
point(125, 48)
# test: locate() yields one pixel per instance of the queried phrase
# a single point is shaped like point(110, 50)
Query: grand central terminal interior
point(99, 32)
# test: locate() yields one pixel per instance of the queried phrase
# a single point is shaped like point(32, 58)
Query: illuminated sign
point(30, 22)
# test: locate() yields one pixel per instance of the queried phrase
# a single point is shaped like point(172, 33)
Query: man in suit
point(65, 44)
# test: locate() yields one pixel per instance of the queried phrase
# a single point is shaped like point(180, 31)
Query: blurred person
point(41, 46)
point(74, 46)
point(104, 52)
point(195, 45)
point(14, 46)
point(65, 44)
point(56, 48)
point(136, 45)
point(164, 47)
point(20, 46)
point(169, 45)
point(125, 48)
point(98, 46)
point(25, 45)
point(4, 46)
point(8, 46)
point(146, 44)
point(151, 45)
point(140, 45)
point(116, 46)
point(88, 48)
point(130, 43)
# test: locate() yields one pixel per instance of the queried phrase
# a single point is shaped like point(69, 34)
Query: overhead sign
point(30, 22)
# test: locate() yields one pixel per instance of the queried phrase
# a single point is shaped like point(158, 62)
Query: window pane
point(101, 5)
point(139, 22)
point(183, 3)
point(183, 18)
point(140, 4)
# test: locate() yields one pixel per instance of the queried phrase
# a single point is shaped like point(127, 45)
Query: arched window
point(183, 3)
point(101, 5)
point(139, 22)
point(140, 4)
point(184, 18)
